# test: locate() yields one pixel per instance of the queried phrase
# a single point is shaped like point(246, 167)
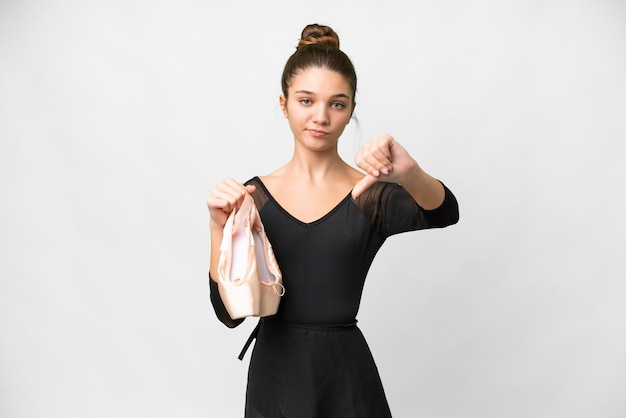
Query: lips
point(315, 132)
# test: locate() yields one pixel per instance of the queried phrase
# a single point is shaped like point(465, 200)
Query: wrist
point(215, 227)
point(411, 175)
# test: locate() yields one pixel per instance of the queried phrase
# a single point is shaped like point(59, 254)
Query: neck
point(315, 166)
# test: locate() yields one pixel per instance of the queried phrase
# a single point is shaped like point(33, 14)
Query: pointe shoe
point(267, 269)
point(249, 280)
point(236, 271)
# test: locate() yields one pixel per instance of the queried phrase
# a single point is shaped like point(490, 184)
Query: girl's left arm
point(384, 159)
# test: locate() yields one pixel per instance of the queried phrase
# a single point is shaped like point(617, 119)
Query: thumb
point(363, 184)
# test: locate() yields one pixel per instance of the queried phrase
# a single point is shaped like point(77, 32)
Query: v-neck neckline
point(297, 220)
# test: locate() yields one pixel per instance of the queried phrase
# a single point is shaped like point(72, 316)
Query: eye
point(305, 102)
point(338, 105)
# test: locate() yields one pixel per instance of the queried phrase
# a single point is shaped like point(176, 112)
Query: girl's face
point(318, 108)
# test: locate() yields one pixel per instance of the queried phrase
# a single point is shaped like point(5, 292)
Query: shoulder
point(382, 191)
point(276, 179)
point(255, 181)
point(260, 194)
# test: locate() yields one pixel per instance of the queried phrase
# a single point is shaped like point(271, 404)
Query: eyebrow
point(339, 95)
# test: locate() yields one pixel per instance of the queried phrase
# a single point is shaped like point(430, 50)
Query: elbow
point(450, 208)
point(454, 215)
point(445, 215)
point(231, 323)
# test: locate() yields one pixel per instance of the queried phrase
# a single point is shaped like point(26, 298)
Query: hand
point(225, 197)
point(383, 159)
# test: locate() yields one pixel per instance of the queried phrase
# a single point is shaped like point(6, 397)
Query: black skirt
point(304, 371)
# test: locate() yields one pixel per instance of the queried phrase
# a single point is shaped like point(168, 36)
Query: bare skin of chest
point(308, 203)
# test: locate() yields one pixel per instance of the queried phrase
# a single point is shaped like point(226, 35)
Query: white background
point(118, 117)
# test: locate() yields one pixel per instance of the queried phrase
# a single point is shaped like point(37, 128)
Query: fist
point(225, 197)
point(383, 159)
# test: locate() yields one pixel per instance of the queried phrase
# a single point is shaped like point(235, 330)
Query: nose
point(320, 115)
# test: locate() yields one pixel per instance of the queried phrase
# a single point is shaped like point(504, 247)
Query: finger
point(383, 145)
point(363, 184)
point(365, 161)
point(225, 200)
point(217, 205)
point(227, 195)
point(234, 187)
point(375, 157)
point(367, 167)
point(371, 165)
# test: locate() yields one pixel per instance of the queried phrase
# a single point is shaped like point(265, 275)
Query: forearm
point(426, 190)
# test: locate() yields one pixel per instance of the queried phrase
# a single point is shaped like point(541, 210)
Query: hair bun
point(319, 34)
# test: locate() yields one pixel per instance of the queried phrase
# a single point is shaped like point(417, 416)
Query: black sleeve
point(446, 214)
point(392, 210)
point(218, 306)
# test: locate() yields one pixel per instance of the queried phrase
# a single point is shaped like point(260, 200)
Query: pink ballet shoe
point(249, 280)
point(267, 268)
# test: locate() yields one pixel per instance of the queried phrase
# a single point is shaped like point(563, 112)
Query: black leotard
point(324, 264)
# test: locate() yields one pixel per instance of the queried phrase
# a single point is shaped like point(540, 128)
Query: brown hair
point(318, 47)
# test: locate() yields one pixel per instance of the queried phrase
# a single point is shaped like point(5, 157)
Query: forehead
point(321, 81)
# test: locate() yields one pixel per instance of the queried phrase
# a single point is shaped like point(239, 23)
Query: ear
point(283, 105)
